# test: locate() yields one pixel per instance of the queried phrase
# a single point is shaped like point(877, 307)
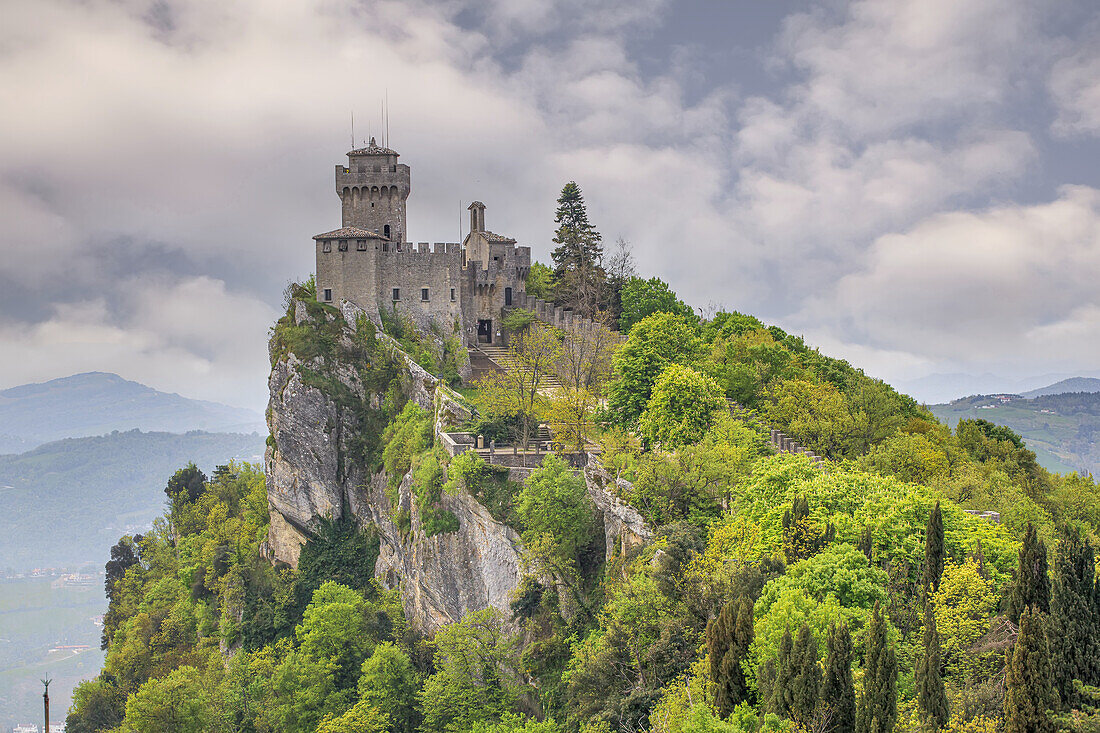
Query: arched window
point(386, 231)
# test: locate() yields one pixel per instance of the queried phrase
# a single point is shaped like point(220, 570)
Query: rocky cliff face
point(313, 471)
point(319, 412)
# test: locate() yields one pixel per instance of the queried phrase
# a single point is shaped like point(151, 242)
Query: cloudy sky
point(912, 186)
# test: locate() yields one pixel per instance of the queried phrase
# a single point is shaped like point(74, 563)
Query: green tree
point(1071, 608)
point(653, 344)
point(474, 680)
point(802, 536)
point(878, 709)
point(779, 699)
point(1029, 688)
point(363, 717)
point(334, 631)
point(97, 705)
point(681, 408)
point(805, 681)
point(931, 696)
point(838, 695)
point(519, 392)
point(933, 551)
point(177, 702)
point(540, 281)
point(554, 501)
point(389, 682)
point(641, 298)
point(579, 253)
point(729, 636)
point(1032, 585)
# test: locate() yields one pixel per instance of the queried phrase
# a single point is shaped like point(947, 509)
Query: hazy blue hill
point(1062, 429)
point(68, 501)
point(96, 403)
point(1075, 384)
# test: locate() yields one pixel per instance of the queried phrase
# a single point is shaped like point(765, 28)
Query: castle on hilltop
point(367, 261)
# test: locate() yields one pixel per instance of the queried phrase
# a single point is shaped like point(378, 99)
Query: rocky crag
point(334, 379)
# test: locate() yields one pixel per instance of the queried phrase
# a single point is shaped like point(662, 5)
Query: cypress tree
point(805, 680)
point(730, 686)
point(931, 695)
point(878, 709)
point(1071, 608)
point(801, 536)
point(1029, 690)
point(838, 694)
point(719, 634)
point(866, 542)
point(933, 550)
point(780, 702)
point(1032, 586)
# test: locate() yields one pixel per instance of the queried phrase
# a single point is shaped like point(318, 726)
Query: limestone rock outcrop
point(312, 472)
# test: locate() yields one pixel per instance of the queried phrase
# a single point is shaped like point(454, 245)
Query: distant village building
point(465, 287)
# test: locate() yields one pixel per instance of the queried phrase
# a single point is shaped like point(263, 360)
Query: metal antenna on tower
point(353, 129)
point(387, 118)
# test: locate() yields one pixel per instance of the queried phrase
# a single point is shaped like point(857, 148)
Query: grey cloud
point(172, 159)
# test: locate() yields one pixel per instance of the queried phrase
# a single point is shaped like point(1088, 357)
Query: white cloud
point(1010, 285)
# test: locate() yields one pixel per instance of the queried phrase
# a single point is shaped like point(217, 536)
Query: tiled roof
point(350, 233)
point(373, 149)
point(475, 205)
point(496, 237)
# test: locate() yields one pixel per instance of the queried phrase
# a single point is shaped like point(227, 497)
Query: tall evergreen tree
point(579, 253)
point(780, 702)
point(1071, 607)
point(878, 709)
point(933, 550)
point(931, 696)
point(838, 694)
point(805, 679)
point(729, 637)
point(1029, 689)
point(1032, 586)
point(719, 636)
point(802, 537)
point(866, 542)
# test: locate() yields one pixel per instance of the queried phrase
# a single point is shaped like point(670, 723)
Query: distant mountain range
point(96, 403)
point(1060, 422)
point(942, 388)
point(65, 503)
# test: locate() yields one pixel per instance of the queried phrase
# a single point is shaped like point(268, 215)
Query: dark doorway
point(386, 231)
point(484, 332)
point(507, 296)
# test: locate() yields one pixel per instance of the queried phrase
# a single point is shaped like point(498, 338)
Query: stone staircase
point(500, 356)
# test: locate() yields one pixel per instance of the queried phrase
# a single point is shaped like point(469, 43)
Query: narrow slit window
point(424, 294)
point(397, 293)
point(452, 295)
point(328, 294)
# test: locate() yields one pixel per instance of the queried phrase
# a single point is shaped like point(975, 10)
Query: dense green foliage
point(765, 592)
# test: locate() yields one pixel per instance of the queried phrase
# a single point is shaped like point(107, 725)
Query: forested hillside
point(1061, 428)
point(756, 592)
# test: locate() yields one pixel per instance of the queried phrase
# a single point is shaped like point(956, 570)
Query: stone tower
point(373, 188)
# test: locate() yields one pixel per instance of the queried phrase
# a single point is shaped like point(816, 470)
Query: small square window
point(452, 295)
point(328, 294)
point(361, 245)
point(326, 246)
point(343, 245)
point(424, 294)
point(397, 293)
